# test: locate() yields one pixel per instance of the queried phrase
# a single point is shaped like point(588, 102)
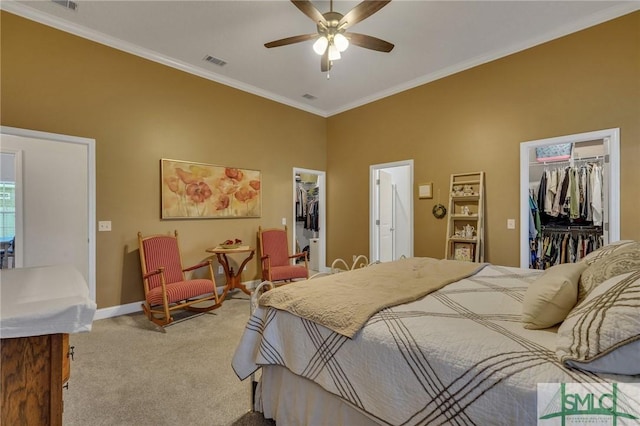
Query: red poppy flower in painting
point(235, 174)
point(245, 194)
point(198, 192)
point(222, 202)
point(226, 185)
point(255, 184)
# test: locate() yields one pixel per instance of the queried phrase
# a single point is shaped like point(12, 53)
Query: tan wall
point(475, 120)
point(138, 112)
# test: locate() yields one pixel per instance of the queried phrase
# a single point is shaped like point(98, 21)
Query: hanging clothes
point(556, 246)
point(596, 190)
point(571, 195)
point(312, 212)
point(568, 206)
point(301, 203)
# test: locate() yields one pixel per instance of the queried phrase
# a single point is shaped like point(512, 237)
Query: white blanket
point(44, 300)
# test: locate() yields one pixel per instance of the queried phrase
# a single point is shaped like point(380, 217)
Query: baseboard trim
point(116, 311)
point(130, 308)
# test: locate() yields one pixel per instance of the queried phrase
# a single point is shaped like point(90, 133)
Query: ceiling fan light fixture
point(334, 53)
point(330, 39)
point(320, 45)
point(341, 42)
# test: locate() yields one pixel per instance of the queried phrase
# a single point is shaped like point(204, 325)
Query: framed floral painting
point(204, 191)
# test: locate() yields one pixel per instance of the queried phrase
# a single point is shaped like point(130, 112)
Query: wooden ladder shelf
point(465, 221)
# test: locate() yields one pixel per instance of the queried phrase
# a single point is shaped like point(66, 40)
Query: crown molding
point(27, 12)
point(590, 21)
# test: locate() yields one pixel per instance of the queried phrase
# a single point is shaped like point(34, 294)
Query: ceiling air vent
point(216, 61)
point(67, 3)
point(310, 97)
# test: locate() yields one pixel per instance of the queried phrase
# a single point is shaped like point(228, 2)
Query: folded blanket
point(344, 302)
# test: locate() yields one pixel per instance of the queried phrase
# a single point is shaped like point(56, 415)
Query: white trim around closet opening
point(611, 138)
point(322, 214)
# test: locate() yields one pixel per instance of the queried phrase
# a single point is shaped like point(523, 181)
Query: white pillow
point(602, 333)
point(624, 258)
point(604, 251)
point(550, 298)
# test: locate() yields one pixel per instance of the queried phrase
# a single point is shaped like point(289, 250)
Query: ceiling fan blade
point(369, 42)
point(310, 10)
point(361, 12)
point(291, 40)
point(325, 63)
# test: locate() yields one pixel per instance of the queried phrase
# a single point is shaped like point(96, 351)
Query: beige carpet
point(127, 372)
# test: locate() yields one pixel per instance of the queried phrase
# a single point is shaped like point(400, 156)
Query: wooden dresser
point(33, 371)
point(35, 352)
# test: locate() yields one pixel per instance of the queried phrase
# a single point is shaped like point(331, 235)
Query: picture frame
point(192, 190)
point(464, 251)
point(425, 190)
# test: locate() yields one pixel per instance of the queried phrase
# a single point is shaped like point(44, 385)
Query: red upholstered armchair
point(275, 258)
point(165, 286)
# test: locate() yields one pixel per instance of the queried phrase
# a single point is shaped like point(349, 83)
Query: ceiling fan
point(332, 38)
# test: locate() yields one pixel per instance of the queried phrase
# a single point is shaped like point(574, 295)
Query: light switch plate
point(104, 226)
point(511, 224)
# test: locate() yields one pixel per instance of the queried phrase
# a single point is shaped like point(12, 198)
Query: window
point(7, 209)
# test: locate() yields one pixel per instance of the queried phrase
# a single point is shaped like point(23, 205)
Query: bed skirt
point(293, 400)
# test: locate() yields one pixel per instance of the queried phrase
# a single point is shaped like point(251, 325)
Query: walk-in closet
point(307, 214)
point(571, 188)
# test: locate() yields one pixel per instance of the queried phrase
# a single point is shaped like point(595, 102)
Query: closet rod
point(598, 158)
point(572, 229)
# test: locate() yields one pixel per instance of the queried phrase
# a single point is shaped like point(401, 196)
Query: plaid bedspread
point(459, 356)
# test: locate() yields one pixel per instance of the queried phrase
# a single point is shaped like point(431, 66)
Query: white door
point(385, 216)
point(396, 203)
point(58, 201)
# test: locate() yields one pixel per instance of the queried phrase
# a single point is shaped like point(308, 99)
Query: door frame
point(612, 215)
point(322, 213)
point(373, 196)
point(18, 245)
point(91, 194)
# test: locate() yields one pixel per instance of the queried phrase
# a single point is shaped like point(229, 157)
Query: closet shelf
point(465, 216)
point(467, 182)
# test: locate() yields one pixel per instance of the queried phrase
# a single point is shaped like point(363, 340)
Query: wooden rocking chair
point(276, 261)
point(165, 286)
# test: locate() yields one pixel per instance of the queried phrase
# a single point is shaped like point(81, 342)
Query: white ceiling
point(432, 39)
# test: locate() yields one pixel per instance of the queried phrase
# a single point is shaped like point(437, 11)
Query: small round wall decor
point(439, 211)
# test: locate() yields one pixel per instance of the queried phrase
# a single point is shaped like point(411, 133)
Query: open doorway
point(600, 147)
point(309, 214)
point(10, 204)
point(391, 211)
point(64, 231)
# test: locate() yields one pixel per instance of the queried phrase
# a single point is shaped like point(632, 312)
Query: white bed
point(458, 356)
